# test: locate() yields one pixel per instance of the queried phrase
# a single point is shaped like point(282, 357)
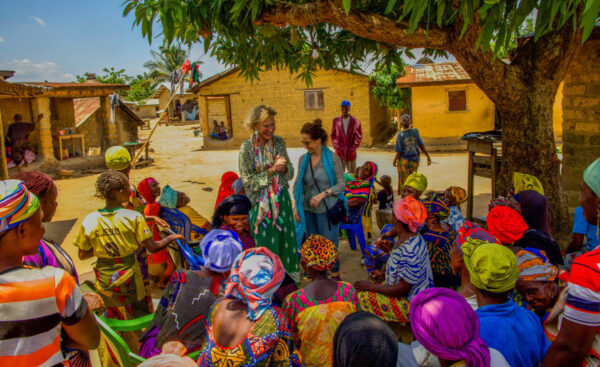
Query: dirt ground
point(181, 163)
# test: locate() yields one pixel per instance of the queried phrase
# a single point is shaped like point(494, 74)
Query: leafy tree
point(141, 86)
point(260, 35)
point(167, 59)
point(386, 91)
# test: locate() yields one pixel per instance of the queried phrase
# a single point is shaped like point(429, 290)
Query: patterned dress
point(409, 262)
point(269, 343)
point(438, 246)
point(315, 322)
point(280, 238)
point(455, 219)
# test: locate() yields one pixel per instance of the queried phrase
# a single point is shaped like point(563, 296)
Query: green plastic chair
point(125, 357)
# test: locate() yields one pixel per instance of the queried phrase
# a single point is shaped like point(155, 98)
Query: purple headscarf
point(445, 324)
point(534, 209)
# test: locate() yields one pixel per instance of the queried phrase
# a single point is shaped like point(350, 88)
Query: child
point(223, 131)
point(36, 305)
point(385, 198)
point(113, 235)
point(179, 200)
point(408, 143)
point(454, 197)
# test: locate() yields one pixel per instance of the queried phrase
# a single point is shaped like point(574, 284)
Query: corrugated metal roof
point(428, 74)
point(84, 108)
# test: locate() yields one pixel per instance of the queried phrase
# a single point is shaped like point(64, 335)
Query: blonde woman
point(265, 169)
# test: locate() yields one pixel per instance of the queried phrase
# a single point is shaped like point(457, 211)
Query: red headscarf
point(226, 188)
point(152, 207)
point(410, 211)
point(506, 224)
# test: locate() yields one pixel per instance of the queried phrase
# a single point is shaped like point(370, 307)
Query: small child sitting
point(454, 197)
point(385, 198)
point(179, 200)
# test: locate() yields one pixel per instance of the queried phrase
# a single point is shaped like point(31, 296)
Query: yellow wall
point(434, 121)
point(285, 94)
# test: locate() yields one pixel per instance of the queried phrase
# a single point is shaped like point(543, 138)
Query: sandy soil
point(181, 163)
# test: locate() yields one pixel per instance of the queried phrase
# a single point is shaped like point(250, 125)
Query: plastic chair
point(180, 224)
point(356, 229)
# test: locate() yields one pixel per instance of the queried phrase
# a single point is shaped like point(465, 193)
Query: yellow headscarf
point(491, 267)
point(458, 193)
point(117, 158)
point(417, 181)
point(522, 182)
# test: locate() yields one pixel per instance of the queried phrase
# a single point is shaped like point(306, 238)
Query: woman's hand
point(94, 301)
point(161, 222)
point(428, 160)
point(385, 245)
point(377, 276)
point(280, 164)
point(314, 202)
point(395, 162)
point(175, 237)
point(363, 285)
point(296, 216)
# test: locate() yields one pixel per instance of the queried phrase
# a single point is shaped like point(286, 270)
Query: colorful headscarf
point(318, 252)
point(491, 267)
point(226, 187)
point(219, 249)
point(458, 193)
point(444, 323)
point(117, 158)
point(361, 188)
point(591, 176)
point(417, 181)
point(534, 266)
point(499, 202)
point(522, 182)
point(256, 274)
point(410, 211)
point(506, 224)
point(437, 205)
point(17, 204)
point(268, 201)
point(143, 189)
point(473, 231)
point(168, 197)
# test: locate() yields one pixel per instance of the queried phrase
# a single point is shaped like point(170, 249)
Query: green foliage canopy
point(386, 92)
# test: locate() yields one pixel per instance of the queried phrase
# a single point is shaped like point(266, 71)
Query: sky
point(55, 40)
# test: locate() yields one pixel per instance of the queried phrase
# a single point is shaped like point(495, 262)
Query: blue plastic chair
point(356, 229)
point(181, 224)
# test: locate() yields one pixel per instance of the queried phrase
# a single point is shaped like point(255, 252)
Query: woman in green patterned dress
point(265, 169)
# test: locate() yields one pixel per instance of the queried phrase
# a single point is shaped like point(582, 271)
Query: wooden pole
point(137, 155)
point(3, 164)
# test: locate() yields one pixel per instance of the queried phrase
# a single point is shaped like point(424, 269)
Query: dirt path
point(180, 163)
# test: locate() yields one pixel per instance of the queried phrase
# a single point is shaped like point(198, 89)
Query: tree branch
point(367, 25)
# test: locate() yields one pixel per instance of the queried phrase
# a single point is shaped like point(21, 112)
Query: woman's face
point(266, 129)
point(410, 191)
point(515, 205)
point(32, 234)
point(456, 259)
point(48, 204)
point(538, 294)
point(431, 219)
point(155, 189)
point(309, 144)
point(590, 203)
point(239, 223)
point(450, 198)
point(365, 171)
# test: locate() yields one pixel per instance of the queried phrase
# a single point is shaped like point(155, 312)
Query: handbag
point(337, 212)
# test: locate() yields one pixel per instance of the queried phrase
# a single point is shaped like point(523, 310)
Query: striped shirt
point(410, 262)
point(583, 299)
point(34, 303)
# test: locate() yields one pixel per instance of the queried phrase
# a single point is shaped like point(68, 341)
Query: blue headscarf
point(168, 197)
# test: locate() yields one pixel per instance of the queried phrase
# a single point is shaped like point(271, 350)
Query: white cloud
point(29, 71)
point(38, 20)
point(1, 39)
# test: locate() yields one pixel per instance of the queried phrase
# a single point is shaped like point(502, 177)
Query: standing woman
point(318, 187)
point(265, 169)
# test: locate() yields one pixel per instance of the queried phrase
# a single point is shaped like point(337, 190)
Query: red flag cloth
point(186, 67)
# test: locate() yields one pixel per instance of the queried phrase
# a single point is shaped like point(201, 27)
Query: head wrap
point(236, 204)
point(534, 266)
point(38, 183)
point(374, 169)
point(238, 186)
point(417, 181)
point(458, 193)
point(363, 339)
point(542, 241)
point(444, 323)
point(143, 189)
point(506, 224)
point(168, 197)
point(17, 204)
point(522, 182)
point(226, 187)
point(318, 252)
point(387, 228)
point(591, 176)
point(473, 231)
point(437, 205)
point(219, 249)
point(534, 209)
point(410, 211)
point(345, 103)
point(117, 158)
point(499, 202)
point(168, 360)
point(491, 267)
point(255, 276)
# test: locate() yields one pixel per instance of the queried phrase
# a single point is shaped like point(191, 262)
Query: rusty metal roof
point(431, 74)
point(78, 86)
point(84, 108)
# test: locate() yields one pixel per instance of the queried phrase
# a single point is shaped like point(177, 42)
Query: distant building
point(228, 97)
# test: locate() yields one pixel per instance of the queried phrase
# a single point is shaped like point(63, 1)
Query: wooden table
point(484, 161)
point(72, 137)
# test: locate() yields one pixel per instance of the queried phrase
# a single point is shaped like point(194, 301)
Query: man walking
point(346, 135)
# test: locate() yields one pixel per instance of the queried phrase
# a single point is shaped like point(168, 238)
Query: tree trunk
point(528, 146)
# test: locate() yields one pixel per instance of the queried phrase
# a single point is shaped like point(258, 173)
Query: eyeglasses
point(306, 142)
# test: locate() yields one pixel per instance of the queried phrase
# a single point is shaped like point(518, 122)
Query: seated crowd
point(499, 294)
